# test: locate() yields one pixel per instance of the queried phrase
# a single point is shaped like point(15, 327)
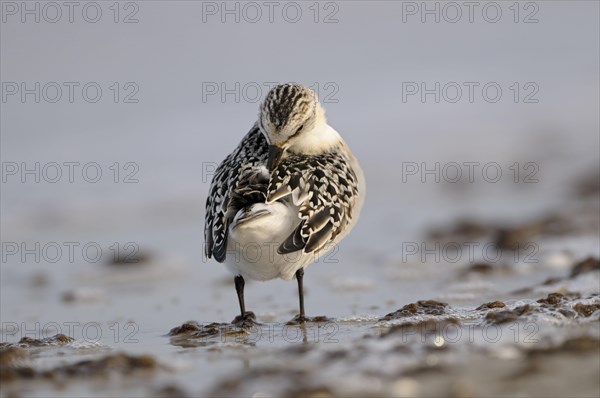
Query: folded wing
point(239, 181)
point(325, 189)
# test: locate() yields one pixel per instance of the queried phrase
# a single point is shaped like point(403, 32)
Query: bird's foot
point(248, 319)
point(302, 319)
point(298, 320)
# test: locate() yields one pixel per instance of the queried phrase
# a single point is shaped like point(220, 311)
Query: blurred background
point(115, 114)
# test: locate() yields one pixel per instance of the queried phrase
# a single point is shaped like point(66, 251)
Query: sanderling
point(289, 192)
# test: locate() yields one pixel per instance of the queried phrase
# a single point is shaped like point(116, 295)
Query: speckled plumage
point(291, 184)
point(323, 186)
point(238, 182)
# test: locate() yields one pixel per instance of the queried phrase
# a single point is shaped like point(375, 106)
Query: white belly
point(253, 242)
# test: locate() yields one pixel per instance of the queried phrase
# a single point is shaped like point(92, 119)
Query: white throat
point(322, 138)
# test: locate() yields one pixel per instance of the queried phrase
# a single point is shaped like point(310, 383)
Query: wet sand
point(407, 328)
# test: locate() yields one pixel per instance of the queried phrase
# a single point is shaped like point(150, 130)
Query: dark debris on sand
point(560, 302)
point(196, 330)
point(116, 363)
point(315, 319)
point(505, 237)
point(194, 334)
point(309, 392)
point(520, 236)
point(13, 359)
point(485, 269)
point(491, 305)
point(586, 310)
point(187, 327)
point(130, 259)
point(11, 363)
point(479, 268)
point(13, 356)
point(12, 368)
point(463, 230)
point(588, 265)
point(498, 317)
point(557, 298)
point(56, 340)
point(421, 307)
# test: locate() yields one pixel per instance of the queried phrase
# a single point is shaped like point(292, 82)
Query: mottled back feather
point(239, 181)
point(324, 187)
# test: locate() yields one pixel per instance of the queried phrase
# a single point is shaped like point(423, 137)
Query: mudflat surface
point(389, 327)
point(482, 283)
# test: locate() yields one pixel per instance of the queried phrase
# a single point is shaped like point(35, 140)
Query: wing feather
point(294, 242)
point(239, 181)
point(325, 188)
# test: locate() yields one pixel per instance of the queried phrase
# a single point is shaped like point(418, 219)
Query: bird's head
point(289, 114)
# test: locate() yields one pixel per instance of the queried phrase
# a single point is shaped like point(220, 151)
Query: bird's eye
point(300, 128)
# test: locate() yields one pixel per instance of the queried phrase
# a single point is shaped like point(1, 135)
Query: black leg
point(239, 288)
point(301, 318)
point(299, 277)
point(245, 318)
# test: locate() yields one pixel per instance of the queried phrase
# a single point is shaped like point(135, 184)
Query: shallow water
point(109, 309)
